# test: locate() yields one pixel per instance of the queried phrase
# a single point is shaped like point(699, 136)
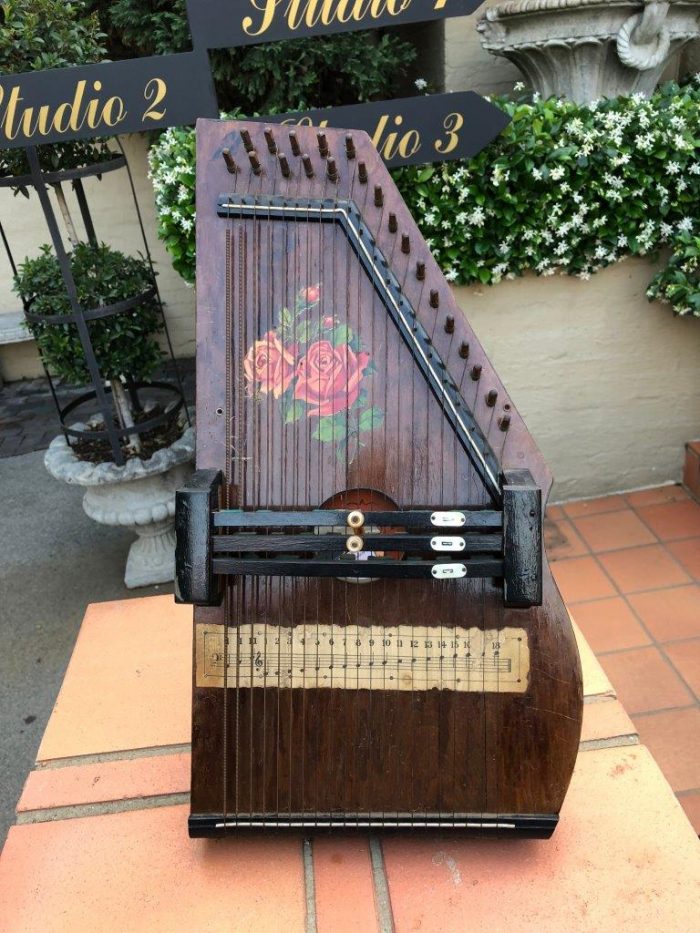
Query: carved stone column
point(587, 49)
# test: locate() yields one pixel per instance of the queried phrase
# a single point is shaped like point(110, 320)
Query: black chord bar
point(299, 543)
point(372, 567)
point(475, 519)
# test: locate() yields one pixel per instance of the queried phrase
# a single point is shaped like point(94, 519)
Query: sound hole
point(366, 500)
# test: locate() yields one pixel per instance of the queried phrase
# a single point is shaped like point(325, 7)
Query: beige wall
point(467, 66)
point(115, 223)
point(608, 383)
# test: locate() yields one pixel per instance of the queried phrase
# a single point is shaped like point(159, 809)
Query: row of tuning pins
point(285, 168)
point(491, 397)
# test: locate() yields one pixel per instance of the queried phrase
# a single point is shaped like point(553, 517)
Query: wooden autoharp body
point(378, 641)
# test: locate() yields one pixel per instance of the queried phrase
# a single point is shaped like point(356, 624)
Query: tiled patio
point(628, 567)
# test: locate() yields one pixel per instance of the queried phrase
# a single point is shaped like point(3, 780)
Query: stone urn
point(139, 495)
point(588, 49)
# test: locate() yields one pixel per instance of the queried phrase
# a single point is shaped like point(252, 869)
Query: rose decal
point(328, 378)
point(268, 366)
point(315, 367)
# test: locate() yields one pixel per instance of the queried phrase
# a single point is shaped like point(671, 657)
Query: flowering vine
point(565, 188)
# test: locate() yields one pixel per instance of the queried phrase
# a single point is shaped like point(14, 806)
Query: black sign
point(410, 130)
point(105, 99)
point(220, 23)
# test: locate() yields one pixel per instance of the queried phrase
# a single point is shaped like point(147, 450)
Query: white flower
point(421, 84)
point(622, 241)
point(452, 275)
point(666, 230)
point(183, 194)
point(462, 217)
point(519, 86)
point(673, 168)
point(477, 217)
point(536, 173)
point(685, 225)
point(558, 172)
point(695, 168)
point(186, 224)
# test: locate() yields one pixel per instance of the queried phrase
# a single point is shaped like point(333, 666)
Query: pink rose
point(328, 378)
point(269, 366)
point(311, 294)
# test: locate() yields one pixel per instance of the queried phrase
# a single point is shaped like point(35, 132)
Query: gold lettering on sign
point(453, 123)
point(376, 657)
point(311, 13)
point(34, 122)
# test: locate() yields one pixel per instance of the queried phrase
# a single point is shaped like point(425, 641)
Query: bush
point(40, 34)
point(564, 188)
point(679, 283)
point(270, 78)
point(123, 343)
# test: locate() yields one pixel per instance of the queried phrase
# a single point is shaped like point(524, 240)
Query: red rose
point(311, 294)
point(328, 378)
point(269, 366)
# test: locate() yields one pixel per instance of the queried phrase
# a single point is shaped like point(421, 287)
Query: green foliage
point(273, 77)
point(123, 343)
point(679, 283)
point(40, 34)
point(565, 188)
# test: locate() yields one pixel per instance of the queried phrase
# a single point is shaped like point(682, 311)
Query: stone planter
point(588, 49)
point(139, 495)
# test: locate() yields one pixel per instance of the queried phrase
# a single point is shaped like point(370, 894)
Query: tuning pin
point(476, 373)
point(230, 163)
point(450, 325)
point(247, 141)
point(378, 196)
point(420, 271)
point(464, 351)
point(270, 140)
point(322, 144)
point(255, 162)
point(504, 422)
point(434, 299)
point(362, 173)
point(284, 165)
point(393, 223)
point(405, 244)
point(332, 170)
point(350, 147)
point(294, 143)
point(308, 167)
point(492, 398)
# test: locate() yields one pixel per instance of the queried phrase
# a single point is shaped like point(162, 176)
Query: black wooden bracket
point(522, 540)
point(195, 582)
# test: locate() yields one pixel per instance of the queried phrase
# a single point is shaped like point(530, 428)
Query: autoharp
point(378, 641)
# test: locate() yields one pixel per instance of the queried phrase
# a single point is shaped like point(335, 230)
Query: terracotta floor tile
point(669, 614)
point(656, 496)
point(562, 541)
point(555, 512)
point(139, 872)
point(672, 738)
point(673, 520)
point(685, 657)
point(344, 885)
point(691, 804)
point(643, 568)
point(106, 781)
point(610, 625)
point(581, 579)
point(613, 530)
point(594, 506)
point(621, 837)
point(687, 553)
point(644, 680)
point(140, 649)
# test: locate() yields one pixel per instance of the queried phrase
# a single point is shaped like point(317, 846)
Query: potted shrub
point(140, 494)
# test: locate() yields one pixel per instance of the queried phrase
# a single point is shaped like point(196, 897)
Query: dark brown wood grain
point(316, 751)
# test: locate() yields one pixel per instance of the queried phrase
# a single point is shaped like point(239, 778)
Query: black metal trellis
point(100, 395)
